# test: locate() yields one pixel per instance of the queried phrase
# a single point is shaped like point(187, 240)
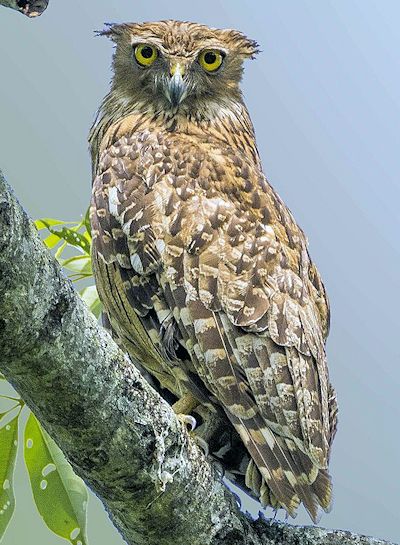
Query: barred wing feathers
point(209, 246)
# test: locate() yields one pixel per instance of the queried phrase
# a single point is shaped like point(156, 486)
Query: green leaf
point(81, 264)
point(86, 222)
point(60, 495)
point(72, 237)
point(12, 398)
point(44, 223)
point(8, 452)
point(91, 298)
point(77, 277)
point(51, 241)
point(2, 377)
point(60, 250)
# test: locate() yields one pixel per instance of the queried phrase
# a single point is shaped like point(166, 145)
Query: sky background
point(324, 96)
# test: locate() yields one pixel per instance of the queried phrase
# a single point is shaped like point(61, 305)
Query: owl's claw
point(187, 420)
point(203, 445)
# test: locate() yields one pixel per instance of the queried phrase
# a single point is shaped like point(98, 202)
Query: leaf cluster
point(71, 243)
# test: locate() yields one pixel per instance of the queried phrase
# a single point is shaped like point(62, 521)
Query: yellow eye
point(211, 59)
point(145, 54)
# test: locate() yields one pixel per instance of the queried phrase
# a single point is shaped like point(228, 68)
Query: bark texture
point(117, 432)
point(31, 8)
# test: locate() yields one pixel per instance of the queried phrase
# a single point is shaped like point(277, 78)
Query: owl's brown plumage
point(203, 272)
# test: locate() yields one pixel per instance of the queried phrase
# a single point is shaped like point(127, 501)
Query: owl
point(205, 276)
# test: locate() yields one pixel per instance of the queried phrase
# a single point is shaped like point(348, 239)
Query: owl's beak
point(176, 90)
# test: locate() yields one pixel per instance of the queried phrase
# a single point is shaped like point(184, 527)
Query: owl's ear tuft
point(253, 48)
point(241, 44)
point(114, 31)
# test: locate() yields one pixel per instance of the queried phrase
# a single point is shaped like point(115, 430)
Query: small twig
point(30, 8)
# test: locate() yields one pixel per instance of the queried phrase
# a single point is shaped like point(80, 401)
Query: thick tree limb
point(119, 435)
point(31, 8)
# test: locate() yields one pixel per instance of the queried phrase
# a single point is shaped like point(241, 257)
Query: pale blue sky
point(324, 95)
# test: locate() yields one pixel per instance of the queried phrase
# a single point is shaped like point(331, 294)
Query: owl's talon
point(187, 420)
point(203, 445)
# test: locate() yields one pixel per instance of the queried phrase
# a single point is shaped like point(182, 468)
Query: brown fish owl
point(204, 274)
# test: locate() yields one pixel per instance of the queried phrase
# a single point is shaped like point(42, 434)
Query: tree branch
point(117, 432)
point(31, 8)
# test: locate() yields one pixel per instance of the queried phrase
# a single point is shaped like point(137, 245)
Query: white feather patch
point(137, 263)
point(113, 201)
point(160, 245)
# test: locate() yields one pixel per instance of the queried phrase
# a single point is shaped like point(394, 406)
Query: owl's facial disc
point(174, 78)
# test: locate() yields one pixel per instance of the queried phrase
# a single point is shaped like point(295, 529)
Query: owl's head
point(171, 63)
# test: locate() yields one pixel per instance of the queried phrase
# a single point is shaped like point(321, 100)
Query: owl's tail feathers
point(314, 484)
point(272, 463)
point(280, 474)
point(322, 488)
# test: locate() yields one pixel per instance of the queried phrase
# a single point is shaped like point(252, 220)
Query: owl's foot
point(185, 405)
point(187, 420)
point(190, 421)
point(203, 445)
point(182, 408)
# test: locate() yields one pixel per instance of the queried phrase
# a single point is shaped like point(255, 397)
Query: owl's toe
point(187, 420)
